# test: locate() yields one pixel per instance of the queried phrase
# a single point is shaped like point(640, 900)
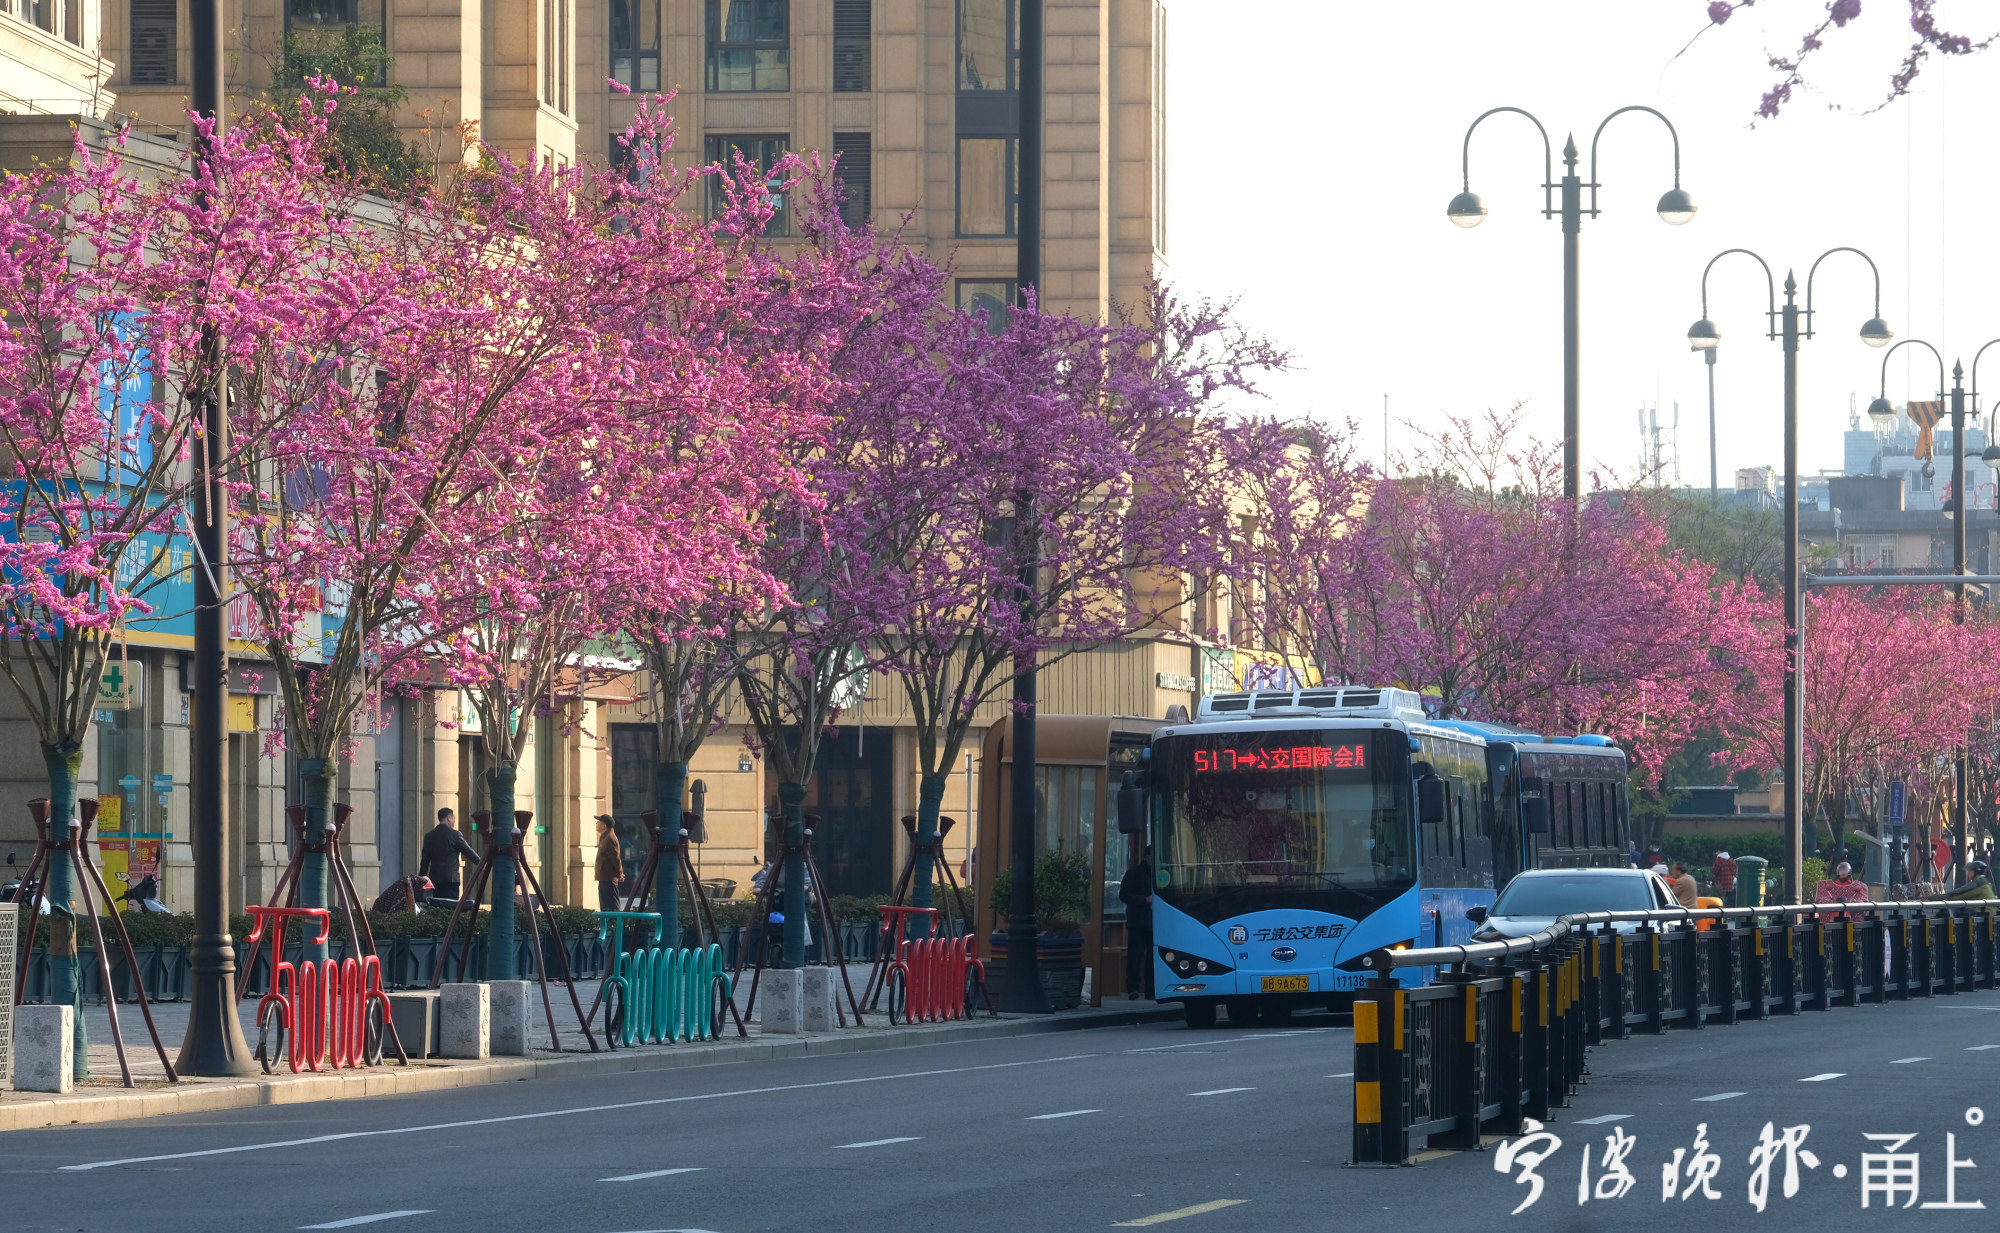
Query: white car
point(1534, 899)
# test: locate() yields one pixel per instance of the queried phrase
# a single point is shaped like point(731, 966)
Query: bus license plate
point(1287, 984)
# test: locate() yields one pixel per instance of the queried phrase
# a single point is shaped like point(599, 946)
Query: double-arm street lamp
point(1467, 210)
point(1961, 512)
point(1788, 325)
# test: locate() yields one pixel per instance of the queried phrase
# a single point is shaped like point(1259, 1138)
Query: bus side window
point(1458, 819)
point(1558, 813)
point(1593, 799)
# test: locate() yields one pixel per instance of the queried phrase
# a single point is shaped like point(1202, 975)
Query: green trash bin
point(1749, 882)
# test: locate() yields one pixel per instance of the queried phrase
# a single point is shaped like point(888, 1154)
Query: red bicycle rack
point(929, 980)
point(320, 1011)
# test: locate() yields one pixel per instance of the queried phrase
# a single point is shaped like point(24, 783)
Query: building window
point(988, 44)
point(155, 42)
point(763, 152)
point(635, 44)
point(991, 296)
point(750, 48)
point(555, 55)
point(1867, 554)
point(333, 17)
point(986, 186)
point(855, 167)
point(852, 46)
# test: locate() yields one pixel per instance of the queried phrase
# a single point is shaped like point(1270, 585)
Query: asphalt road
point(1209, 1132)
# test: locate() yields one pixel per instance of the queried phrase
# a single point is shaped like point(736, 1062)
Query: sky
point(1312, 147)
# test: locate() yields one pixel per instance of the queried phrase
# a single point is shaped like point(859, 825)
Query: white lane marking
point(351, 1221)
point(1608, 1117)
point(1905, 1061)
point(1181, 1214)
point(1980, 1048)
point(672, 1231)
point(1193, 1044)
point(1831, 1074)
point(1050, 1117)
point(879, 1142)
point(1722, 1096)
point(640, 1177)
point(1345, 1074)
point(1222, 1091)
point(1961, 1007)
point(529, 1117)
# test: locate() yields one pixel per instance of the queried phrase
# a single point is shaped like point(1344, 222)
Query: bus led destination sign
point(1283, 758)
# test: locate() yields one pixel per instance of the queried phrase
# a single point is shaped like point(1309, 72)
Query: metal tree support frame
point(497, 843)
point(885, 950)
point(704, 915)
point(1476, 1052)
point(761, 926)
point(79, 854)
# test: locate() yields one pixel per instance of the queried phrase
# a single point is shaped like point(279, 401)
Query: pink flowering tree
point(693, 639)
point(1090, 459)
point(1893, 685)
point(628, 463)
point(112, 267)
point(1476, 584)
point(1927, 38)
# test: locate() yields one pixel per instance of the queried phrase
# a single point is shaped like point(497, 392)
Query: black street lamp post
point(214, 1044)
point(1785, 325)
point(1467, 210)
point(1022, 993)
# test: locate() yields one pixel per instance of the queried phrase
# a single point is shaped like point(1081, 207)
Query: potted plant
point(1062, 903)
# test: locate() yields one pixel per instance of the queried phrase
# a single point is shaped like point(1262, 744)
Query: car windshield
point(1555, 894)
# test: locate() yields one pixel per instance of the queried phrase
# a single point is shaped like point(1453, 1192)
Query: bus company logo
point(1284, 954)
point(1300, 933)
point(1238, 935)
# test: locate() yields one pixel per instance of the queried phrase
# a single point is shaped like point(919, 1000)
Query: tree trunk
point(64, 762)
point(930, 803)
point(500, 929)
point(791, 798)
point(669, 787)
point(316, 775)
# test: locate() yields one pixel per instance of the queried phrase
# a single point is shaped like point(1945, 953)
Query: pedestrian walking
point(443, 849)
point(1135, 891)
point(610, 864)
point(1723, 870)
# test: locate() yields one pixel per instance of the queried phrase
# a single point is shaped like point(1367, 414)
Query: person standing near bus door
point(1135, 891)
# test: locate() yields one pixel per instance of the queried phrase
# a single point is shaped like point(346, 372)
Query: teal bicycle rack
point(655, 995)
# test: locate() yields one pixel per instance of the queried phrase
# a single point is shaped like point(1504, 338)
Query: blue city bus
point(1294, 831)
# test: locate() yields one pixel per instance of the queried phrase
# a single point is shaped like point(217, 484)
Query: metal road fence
point(1500, 1034)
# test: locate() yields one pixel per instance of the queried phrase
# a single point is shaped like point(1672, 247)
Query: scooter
point(18, 891)
point(144, 897)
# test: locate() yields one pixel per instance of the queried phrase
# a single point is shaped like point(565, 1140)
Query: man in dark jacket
point(1135, 891)
point(442, 848)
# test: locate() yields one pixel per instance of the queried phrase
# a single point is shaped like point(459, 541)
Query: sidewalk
point(104, 1098)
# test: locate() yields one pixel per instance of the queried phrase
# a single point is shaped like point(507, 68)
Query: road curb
point(211, 1095)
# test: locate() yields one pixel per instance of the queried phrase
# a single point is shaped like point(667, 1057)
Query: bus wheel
point(1200, 1014)
point(1242, 1012)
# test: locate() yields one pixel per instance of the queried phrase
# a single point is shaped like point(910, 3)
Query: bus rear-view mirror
point(1131, 805)
point(1535, 813)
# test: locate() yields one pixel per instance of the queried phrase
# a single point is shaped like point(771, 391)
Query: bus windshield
point(1265, 819)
